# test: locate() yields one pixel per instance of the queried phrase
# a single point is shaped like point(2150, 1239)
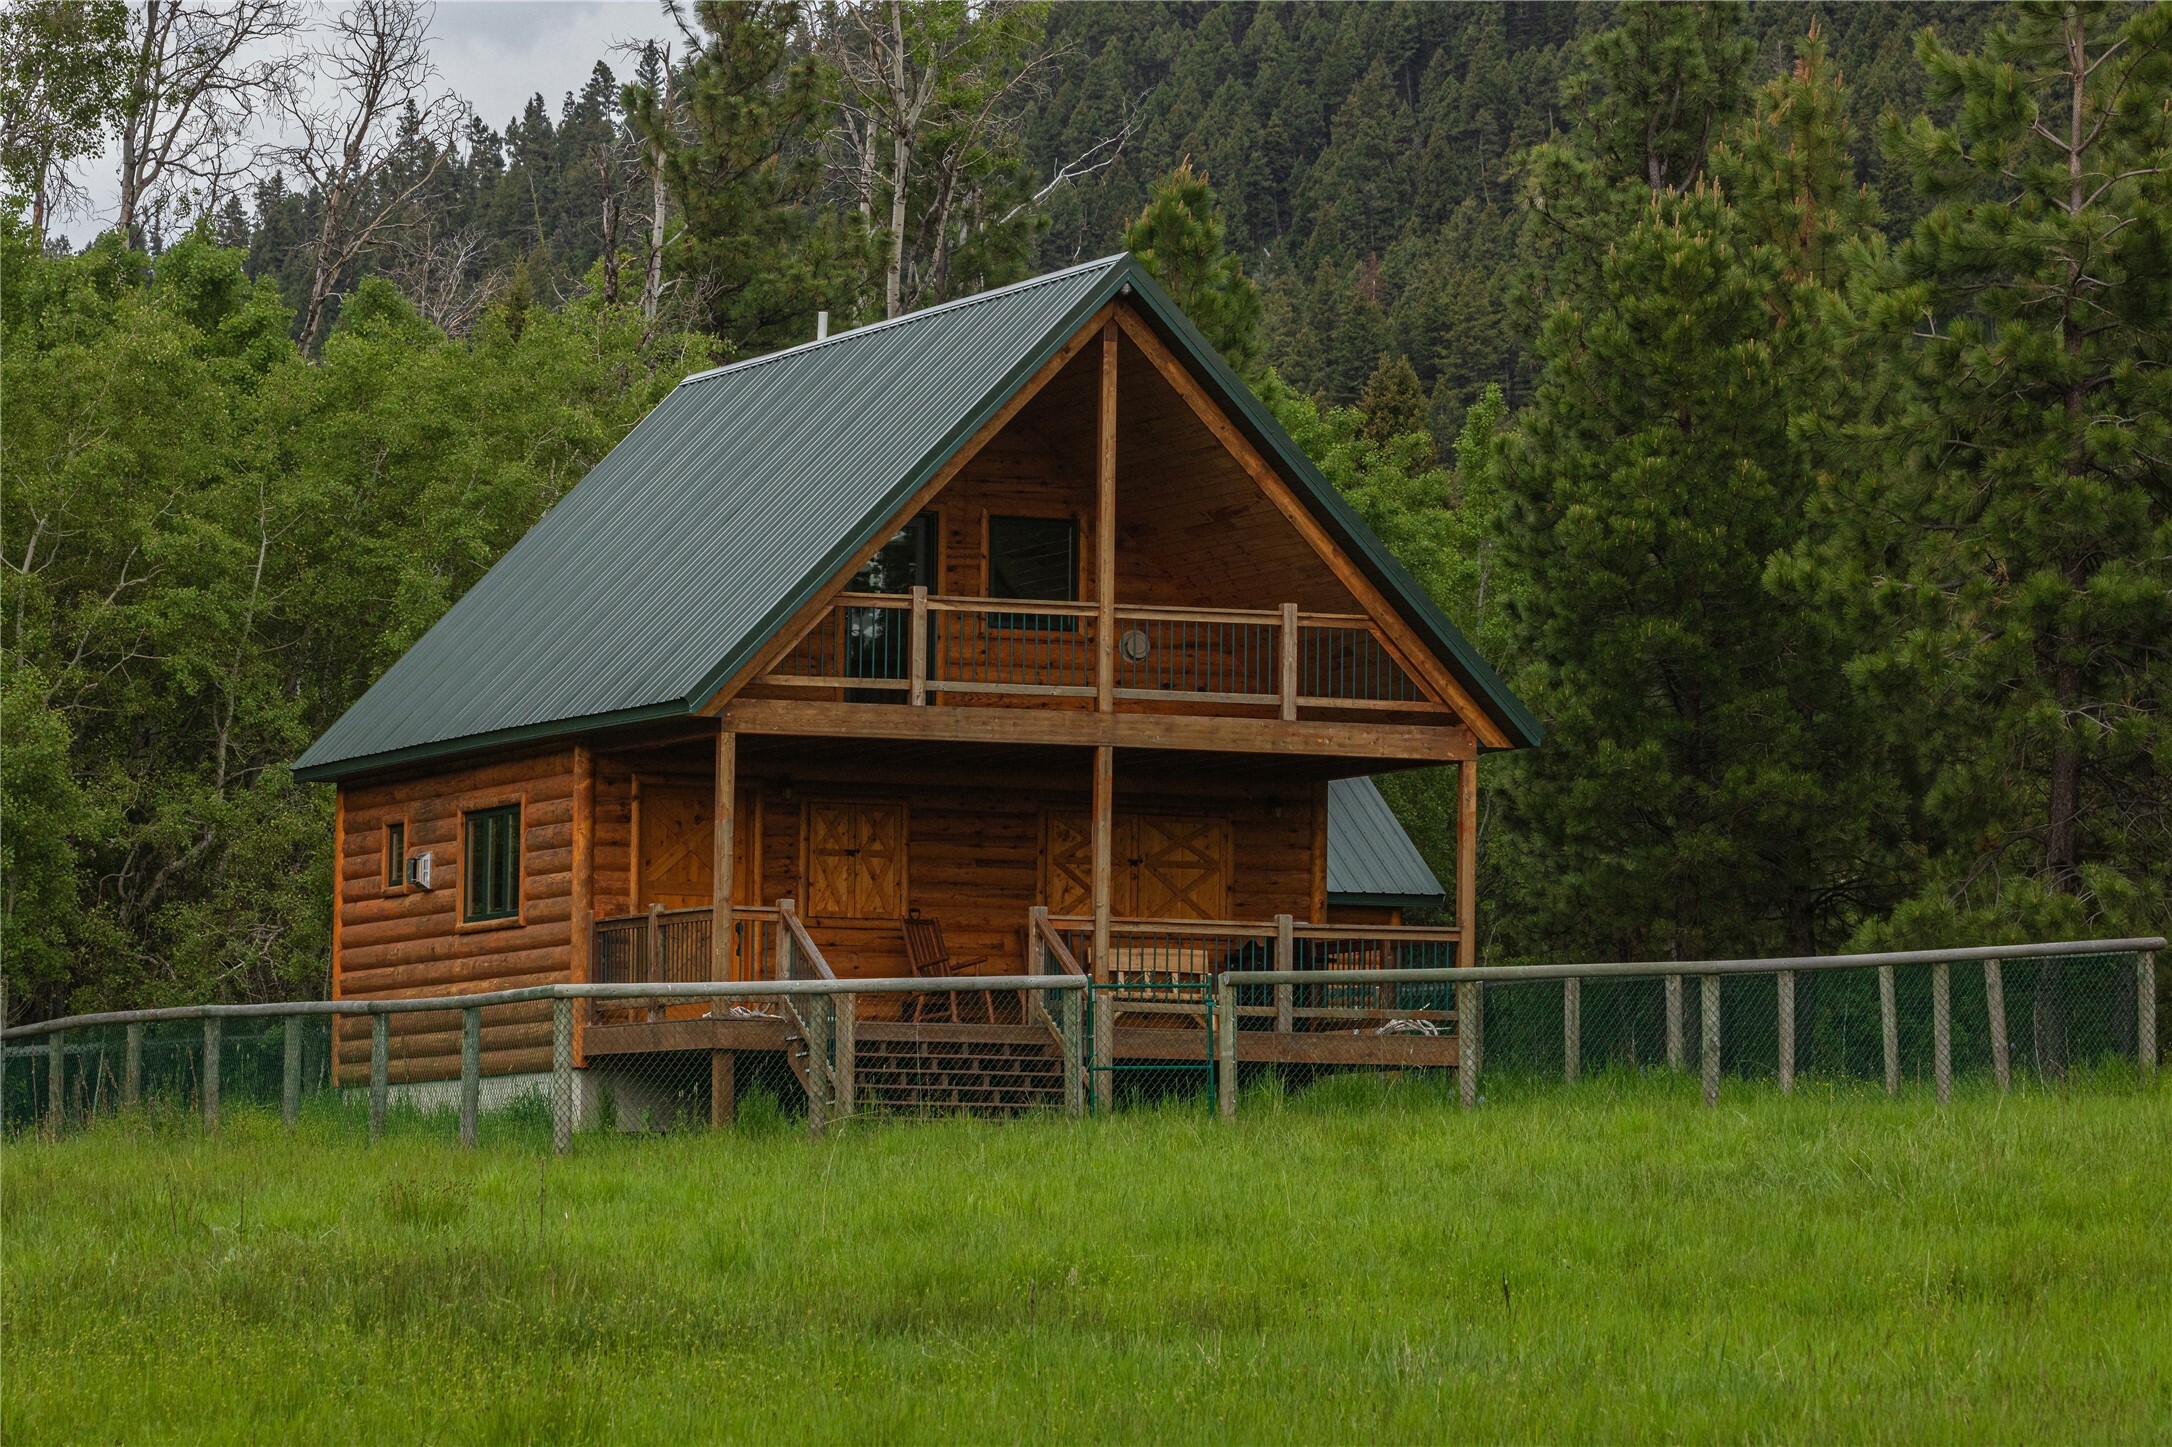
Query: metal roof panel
point(1368, 852)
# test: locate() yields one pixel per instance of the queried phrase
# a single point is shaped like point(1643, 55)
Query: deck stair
point(906, 1068)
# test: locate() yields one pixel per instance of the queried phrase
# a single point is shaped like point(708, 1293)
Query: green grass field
point(1356, 1262)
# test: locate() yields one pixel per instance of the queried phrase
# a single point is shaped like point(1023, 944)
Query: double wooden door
point(1164, 866)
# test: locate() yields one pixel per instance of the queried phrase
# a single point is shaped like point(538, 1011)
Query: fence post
point(1787, 1032)
point(380, 1071)
point(561, 1076)
point(1889, 1029)
point(1074, 1053)
point(1572, 1029)
point(1104, 1056)
point(1225, 1046)
point(212, 1024)
point(471, 1071)
point(290, 1080)
point(1994, 994)
point(1467, 1028)
point(1942, 1031)
point(1285, 959)
point(814, 1017)
point(132, 1068)
point(1709, 1002)
point(56, 1081)
point(1675, 1049)
point(843, 1081)
point(2145, 1023)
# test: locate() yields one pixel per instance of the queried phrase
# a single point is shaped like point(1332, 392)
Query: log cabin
point(1009, 631)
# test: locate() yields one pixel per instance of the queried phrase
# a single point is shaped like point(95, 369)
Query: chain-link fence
point(536, 1067)
point(2030, 1014)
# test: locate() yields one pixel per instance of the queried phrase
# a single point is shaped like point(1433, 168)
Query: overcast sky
point(495, 54)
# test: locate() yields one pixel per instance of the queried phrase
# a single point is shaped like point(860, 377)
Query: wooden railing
point(916, 648)
point(673, 946)
point(1158, 957)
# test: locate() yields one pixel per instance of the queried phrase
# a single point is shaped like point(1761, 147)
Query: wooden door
point(1179, 867)
point(1164, 866)
point(1067, 864)
point(855, 859)
point(675, 866)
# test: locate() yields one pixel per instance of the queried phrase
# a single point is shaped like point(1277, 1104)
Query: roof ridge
point(855, 332)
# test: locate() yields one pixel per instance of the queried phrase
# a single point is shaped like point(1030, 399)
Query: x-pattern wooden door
point(855, 859)
point(1164, 866)
point(1179, 867)
point(676, 841)
point(675, 867)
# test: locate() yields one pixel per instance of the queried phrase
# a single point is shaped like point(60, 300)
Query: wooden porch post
point(1467, 864)
point(1105, 532)
point(1104, 873)
point(1104, 1044)
point(720, 874)
point(1104, 854)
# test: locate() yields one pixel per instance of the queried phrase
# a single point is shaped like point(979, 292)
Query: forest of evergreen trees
point(1777, 393)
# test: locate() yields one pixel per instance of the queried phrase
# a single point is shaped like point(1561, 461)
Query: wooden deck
point(1296, 1048)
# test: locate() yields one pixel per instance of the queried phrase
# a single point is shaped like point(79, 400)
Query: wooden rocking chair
point(930, 959)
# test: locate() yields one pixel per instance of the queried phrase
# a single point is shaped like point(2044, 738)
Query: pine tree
point(1698, 775)
point(1394, 401)
point(2008, 526)
point(743, 175)
point(1178, 237)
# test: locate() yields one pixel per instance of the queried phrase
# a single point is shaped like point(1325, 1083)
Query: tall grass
point(1354, 1261)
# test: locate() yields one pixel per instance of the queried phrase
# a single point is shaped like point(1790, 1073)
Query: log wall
point(401, 942)
point(973, 861)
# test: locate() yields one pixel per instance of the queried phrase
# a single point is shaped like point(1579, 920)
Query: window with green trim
point(493, 863)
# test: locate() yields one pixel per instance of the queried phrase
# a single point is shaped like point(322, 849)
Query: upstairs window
point(493, 863)
point(1033, 558)
point(395, 855)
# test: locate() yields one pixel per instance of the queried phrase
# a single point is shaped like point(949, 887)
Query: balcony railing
point(916, 648)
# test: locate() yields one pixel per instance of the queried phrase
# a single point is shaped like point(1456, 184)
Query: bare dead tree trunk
point(376, 56)
point(652, 276)
point(202, 70)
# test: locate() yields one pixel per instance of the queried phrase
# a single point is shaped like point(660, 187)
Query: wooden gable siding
point(1195, 526)
point(975, 858)
point(408, 942)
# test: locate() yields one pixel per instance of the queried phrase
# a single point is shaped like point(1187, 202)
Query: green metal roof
point(657, 577)
point(1370, 860)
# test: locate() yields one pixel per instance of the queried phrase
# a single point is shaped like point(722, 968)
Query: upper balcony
point(920, 649)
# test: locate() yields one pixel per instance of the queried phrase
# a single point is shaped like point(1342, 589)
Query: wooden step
point(981, 1072)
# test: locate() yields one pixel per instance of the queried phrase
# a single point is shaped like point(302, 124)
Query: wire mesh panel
point(2050, 1017)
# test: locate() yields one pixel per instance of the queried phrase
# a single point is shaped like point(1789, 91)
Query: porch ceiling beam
point(1078, 728)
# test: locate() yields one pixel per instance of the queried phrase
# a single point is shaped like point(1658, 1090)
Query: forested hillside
point(1777, 393)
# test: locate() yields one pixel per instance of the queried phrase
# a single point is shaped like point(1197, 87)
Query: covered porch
point(1148, 871)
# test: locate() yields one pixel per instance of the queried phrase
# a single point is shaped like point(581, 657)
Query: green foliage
point(1178, 237)
point(1827, 1267)
point(1706, 773)
point(62, 69)
point(760, 256)
point(213, 548)
point(2005, 527)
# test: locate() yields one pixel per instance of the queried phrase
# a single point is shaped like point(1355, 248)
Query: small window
point(493, 863)
point(395, 855)
point(1033, 558)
